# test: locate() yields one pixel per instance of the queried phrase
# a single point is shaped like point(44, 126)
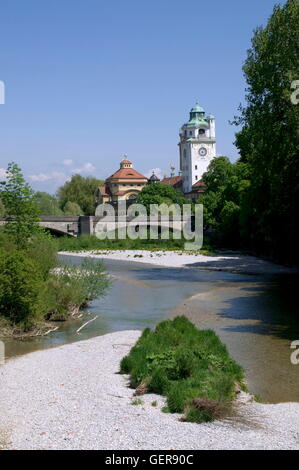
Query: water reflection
point(255, 315)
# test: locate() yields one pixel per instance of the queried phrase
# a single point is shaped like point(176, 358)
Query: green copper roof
point(198, 118)
point(196, 122)
point(197, 109)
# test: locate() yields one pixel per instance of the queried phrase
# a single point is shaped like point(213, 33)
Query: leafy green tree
point(47, 204)
point(219, 173)
point(160, 193)
point(21, 211)
point(20, 288)
point(80, 190)
point(227, 184)
point(42, 249)
point(2, 209)
point(72, 208)
point(269, 139)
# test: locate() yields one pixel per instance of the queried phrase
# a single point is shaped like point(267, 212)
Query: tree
point(160, 193)
point(21, 211)
point(269, 139)
point(2, 209)
point(227, 184)
point(20, 288)
point(72, 208)
point(80, 190)
point(47, 204)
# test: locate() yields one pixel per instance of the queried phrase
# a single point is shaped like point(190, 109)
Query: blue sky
point(89, 80)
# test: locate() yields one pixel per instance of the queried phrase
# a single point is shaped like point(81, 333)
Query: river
point(256, 316)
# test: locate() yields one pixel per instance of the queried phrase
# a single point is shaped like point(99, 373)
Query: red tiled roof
point(173, 180)
point(199, 184)
point(127, 162)
point(103, 191)
point(127, 173)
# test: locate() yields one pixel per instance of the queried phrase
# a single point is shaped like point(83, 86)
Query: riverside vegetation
point(191, 367)
point(34, 288)
point(91, 242)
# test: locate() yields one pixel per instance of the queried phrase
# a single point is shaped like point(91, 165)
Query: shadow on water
point(272, 306)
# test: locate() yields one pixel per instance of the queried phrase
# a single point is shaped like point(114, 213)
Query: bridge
point(75, 226)
point(65, 225)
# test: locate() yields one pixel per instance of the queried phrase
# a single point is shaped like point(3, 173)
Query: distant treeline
point(75, 197)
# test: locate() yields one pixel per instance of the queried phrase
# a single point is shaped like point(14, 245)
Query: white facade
point(197, 146)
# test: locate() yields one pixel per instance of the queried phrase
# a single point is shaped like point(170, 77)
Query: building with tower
point(197, 149)
point(124, 184)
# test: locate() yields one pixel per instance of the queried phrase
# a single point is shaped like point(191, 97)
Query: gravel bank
point(72, 397)
point(237, 263)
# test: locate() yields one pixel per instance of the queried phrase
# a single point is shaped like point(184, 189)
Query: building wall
point(192, 164)
point(127, 188)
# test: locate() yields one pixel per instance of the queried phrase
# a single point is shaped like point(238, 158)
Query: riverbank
point(235, 263)
point(78, 400)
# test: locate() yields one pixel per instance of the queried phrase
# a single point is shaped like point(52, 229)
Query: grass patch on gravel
point(191, 367)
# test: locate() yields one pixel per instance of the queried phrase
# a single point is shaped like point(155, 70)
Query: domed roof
point(154, 178)
point(197, 109)
point(194, 122)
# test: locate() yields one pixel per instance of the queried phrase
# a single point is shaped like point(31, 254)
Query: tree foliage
point(160, 193)
point(21, 211)
point(20, 288)
point(47, 204)
point(80, 190)
point(72, 208)
point(255, 202)
point(227, 185)
point(269, 139)
point(2, 209)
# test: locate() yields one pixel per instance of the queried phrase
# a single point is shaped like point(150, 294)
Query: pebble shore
point(236, 262)
point(72, 397)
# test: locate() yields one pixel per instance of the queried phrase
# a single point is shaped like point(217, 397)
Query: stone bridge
point(88, 225)
point(64, 225)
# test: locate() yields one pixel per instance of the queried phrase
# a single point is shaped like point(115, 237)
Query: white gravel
point(72, 397)
point(236, 262)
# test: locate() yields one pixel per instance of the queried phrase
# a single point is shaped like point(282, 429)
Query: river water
point(256, 316)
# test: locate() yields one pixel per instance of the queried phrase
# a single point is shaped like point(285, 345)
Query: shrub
point(42, 249)
point(70, 288)
point(62, 297)
point(21, 285)
point(191, 367)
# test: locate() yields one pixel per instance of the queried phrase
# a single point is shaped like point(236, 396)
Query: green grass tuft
point(191, 367)
point(136, 402)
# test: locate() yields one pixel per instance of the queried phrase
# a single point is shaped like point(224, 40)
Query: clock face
point(203, 152)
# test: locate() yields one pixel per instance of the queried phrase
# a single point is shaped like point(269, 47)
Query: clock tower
point(197, 146)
